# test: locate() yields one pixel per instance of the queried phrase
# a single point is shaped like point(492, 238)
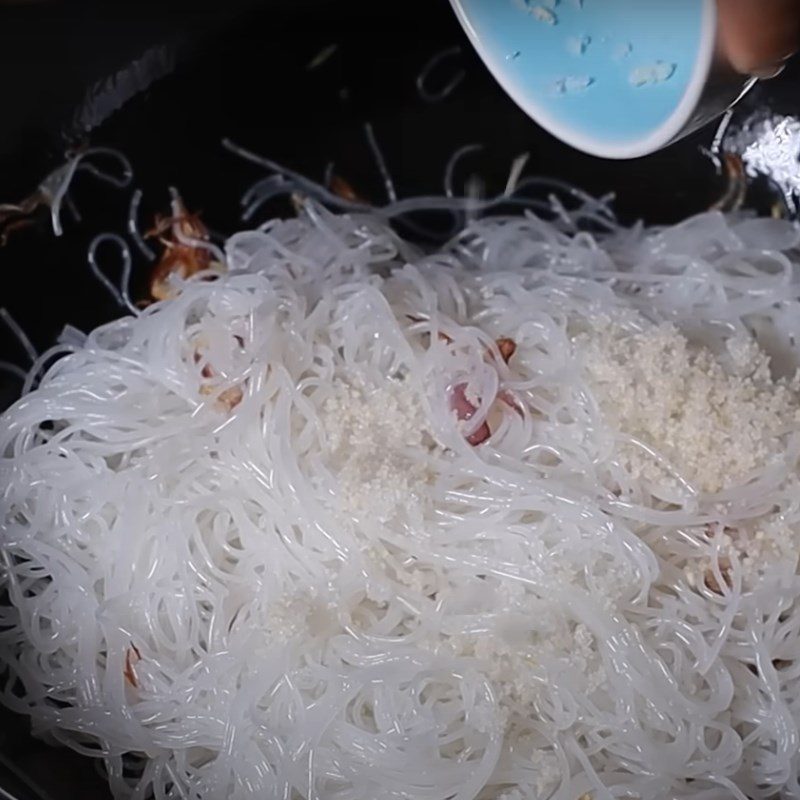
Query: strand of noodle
point(73, 209)
point(263, 191)
point(430, 66)
point(729, 786)
point(662, 461)
point(300, 180)
point(517, 168)
point(133, 226)
point(726, 620)
point(596, 784)
point(453, 162)
point(58, 193)
point(190, 240)
point(121, 293)
point(19, 334)
point(57, 185)
point(402, 207)
point(380, 160)
point(120, 181)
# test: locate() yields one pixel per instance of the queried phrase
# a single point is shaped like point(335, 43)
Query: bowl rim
point(666, 133)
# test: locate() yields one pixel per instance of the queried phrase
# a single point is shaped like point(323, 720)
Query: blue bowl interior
point(614, 71)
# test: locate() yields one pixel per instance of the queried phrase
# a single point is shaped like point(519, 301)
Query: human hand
point(757, 36)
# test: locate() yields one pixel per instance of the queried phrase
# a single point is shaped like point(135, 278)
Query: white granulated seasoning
point(650, 74)
point(769, 145)
point(544, 14)
point(714, 426)
point(374, 438)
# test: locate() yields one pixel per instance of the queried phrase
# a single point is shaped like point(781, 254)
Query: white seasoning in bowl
point(649, 74)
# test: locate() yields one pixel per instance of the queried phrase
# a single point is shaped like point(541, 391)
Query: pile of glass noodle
point(516, 519)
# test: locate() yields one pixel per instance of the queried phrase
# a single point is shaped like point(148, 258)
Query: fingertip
point(758, 36)
point(768, 73)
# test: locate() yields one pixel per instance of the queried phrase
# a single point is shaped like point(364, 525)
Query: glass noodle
point(251, 552)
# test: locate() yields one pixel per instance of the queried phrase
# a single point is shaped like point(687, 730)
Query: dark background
point(242, 72)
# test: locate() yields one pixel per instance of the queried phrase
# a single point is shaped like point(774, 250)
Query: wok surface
point(246, 76)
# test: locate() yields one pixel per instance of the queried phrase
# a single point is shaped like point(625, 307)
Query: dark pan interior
point(247, 77)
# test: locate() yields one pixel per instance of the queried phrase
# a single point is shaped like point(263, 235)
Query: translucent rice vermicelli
point(515, 519)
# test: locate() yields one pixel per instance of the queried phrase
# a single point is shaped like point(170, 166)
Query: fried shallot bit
point(507, 348)
point(11, 227)
point(341, 188)
point(458, 399)
point(132, 657)
point(178, 258)
point(710, 578)
point(736, 184)
point(465, 411)
point(229, 398)
point(14, 216)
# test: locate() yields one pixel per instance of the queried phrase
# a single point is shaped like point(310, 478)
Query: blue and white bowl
point(614, 78)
